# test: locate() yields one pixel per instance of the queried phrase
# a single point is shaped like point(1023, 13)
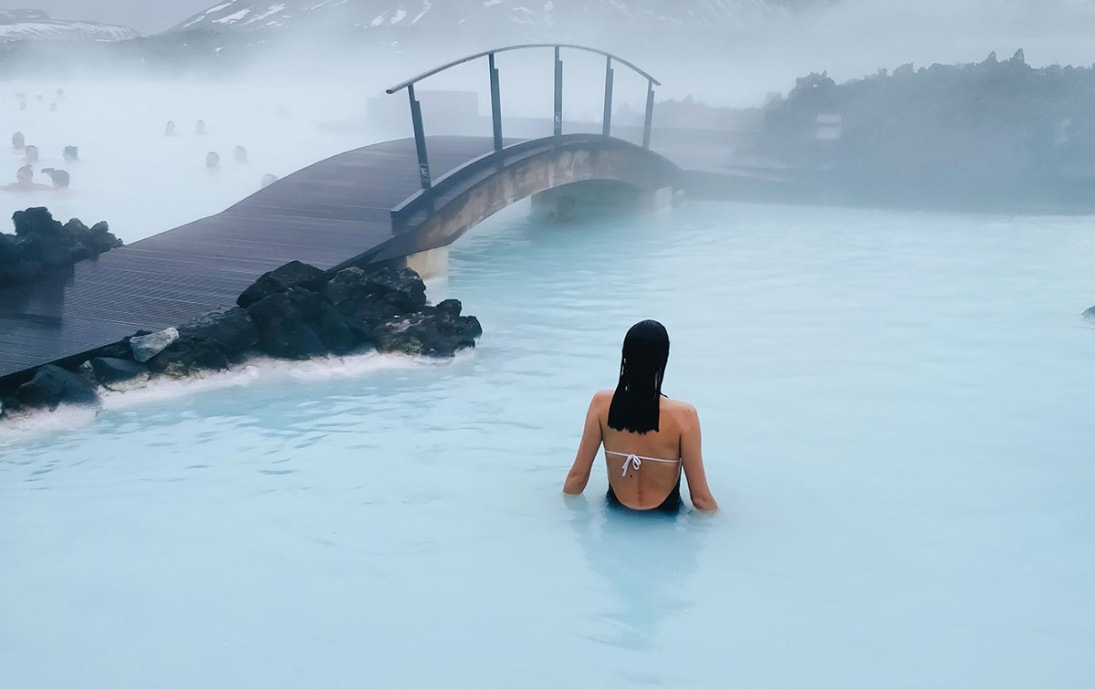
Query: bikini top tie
point(635, 462)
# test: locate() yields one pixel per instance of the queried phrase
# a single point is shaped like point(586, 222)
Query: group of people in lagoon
point(61, 179)
point(21, 98)
point(24, 175)
point(649, 440)
point(212, 158)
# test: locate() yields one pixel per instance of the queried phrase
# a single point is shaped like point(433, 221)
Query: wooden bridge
point(383, 202)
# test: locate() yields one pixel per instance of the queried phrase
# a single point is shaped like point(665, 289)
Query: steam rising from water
point(143, 182)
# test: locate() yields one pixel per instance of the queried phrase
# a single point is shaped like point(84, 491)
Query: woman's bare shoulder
point(679, 408)
point(603, 397)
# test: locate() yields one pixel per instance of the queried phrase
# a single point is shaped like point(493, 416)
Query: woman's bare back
point(646, 484)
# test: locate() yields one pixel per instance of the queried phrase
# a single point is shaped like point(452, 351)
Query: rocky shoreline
point(41, 243)
point(296, 312)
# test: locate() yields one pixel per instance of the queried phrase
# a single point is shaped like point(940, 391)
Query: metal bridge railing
point(496, 97)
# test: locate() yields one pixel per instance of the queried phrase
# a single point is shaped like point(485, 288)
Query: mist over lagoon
point(891, 375)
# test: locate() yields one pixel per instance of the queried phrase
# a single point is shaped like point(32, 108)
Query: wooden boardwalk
point(326, 214)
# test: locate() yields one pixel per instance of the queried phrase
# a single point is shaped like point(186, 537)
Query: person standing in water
point(18, 141)
point(212, 160)
point(169, 128)
point(649, 439)
point(24, 181)
point(61, 178)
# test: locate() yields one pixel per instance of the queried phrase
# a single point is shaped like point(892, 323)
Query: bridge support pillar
point(432, 263)
point(659, 199)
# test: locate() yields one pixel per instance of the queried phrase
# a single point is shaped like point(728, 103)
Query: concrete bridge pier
point(431, 263)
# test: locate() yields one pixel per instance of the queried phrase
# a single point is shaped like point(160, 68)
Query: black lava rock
point(430, 332)
point(294, 312)
point(288, 339)
point(53, 386)
point(230, 329)
point(35, 222)
point(41, 243)
point(118, 374)
point(19, 272)
point(335, 332)
point(190, 355)
point(287, 323)
point(295, 304)
point(292, 274)
point(451, 308)
point(9, 250)
point(99, 237)
point(348, 285)
point(402, 288)
point(371, 312)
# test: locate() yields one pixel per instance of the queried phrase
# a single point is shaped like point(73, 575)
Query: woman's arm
point(587, 450)
point(692, 460)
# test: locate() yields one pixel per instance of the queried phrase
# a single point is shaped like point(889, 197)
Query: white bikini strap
point(634, 460)
point(640, 457)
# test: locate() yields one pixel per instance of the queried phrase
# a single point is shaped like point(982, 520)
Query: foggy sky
point(147, 16)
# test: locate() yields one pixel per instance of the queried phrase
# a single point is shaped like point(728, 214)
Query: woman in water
point(649, 439)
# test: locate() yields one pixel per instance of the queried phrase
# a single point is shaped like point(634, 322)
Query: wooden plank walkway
point(325, 214)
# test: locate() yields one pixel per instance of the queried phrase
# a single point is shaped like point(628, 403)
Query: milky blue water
point(897, 425)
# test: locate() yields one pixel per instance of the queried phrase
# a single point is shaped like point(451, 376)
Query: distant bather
point(24, 181)
point(61, 178)
point(212, 160)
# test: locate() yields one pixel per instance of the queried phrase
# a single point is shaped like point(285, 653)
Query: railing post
point(558, 94)
point(649, 113)
point(496, 107)
point(607, 121)
point(419, 139)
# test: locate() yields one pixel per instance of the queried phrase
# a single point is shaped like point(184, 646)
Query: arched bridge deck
point(336, 212)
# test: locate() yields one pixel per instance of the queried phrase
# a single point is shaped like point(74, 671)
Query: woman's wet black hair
point(638, 394)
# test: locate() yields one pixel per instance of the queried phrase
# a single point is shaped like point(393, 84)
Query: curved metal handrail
point(410, 82)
